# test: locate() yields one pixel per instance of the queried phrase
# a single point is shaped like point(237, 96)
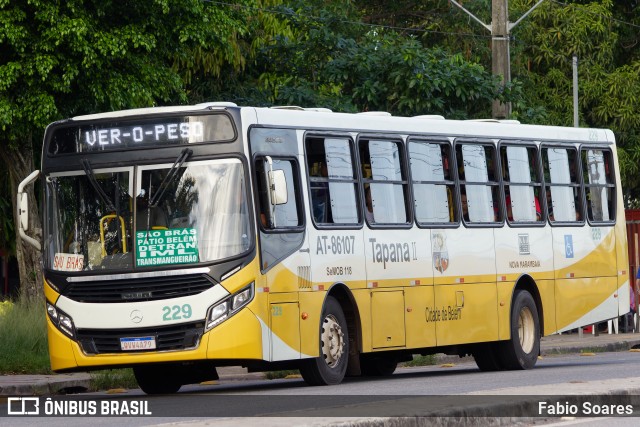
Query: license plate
point(138, 343)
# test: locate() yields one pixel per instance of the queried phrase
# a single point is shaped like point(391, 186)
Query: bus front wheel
point(154, 380)
point(522, 350)
point(331, 366)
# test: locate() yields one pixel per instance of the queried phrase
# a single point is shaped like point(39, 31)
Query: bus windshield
point(181, 214)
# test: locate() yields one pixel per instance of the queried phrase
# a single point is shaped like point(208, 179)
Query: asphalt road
point(412, 392)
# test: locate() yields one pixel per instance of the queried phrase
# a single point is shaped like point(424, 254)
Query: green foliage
point(336, 62)
point(113, 379)
point(419, 360)
point(556, 33)
point(24, 338)
point(598, 32)
point(603, 34)
point(409, 79)
point(61, 59)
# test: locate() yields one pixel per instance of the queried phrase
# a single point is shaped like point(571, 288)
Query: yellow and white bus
point(180, 239)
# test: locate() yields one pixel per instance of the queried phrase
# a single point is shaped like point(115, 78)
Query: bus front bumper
point(222, 342)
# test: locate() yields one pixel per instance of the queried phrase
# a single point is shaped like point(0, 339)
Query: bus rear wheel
point(156, 380)
point(331, 366)
point(487, 357)
point(382, 366)
point(522, 350)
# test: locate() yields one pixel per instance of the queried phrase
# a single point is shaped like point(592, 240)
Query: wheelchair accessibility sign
point(568, 246)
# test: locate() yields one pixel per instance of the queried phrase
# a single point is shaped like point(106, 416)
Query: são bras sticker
point(68, 262)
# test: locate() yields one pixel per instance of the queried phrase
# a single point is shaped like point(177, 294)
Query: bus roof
point(379, 122)
point(155, 110)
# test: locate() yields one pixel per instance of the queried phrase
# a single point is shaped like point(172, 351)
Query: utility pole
point(500, 29)
point(500, 54)
point(575, 91)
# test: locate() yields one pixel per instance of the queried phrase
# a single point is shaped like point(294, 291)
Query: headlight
point(223, 310)
point(53, 313)
point(242, 298)
point(218, 313)
point(62, 320)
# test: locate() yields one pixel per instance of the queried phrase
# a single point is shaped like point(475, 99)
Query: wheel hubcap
point(526, 330)
point(332, 341)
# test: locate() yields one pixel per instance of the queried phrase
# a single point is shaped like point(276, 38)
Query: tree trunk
point(20, 163)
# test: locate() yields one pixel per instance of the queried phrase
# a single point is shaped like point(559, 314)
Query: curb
point(602, 348)
point(46, 385)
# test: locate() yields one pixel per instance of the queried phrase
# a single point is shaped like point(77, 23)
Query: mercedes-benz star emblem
point(136, 316)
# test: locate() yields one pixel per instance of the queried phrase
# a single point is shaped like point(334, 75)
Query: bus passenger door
point(284, 250)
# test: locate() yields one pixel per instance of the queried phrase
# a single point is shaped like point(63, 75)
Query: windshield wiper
point(88, 170)
point(169, 178)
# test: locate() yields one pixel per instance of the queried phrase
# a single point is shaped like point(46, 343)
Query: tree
point(60, 59)
point(603, 34)
point(598, 32)
point(333, 59)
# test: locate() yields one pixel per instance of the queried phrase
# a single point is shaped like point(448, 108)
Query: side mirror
point(278, 187)
point(23, 210)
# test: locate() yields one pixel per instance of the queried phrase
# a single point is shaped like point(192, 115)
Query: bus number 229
point(176, 312)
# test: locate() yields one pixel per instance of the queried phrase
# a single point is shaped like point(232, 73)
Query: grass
point(420, 361)
point(112, 379)
point(275, 375)
point(23, 335)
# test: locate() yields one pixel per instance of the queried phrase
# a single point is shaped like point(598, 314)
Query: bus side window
point(599, 184)
point(564, 194)
point(433, 186)
point(283, 215)
point(521, 184)
point(383, 171)
point(332, 181)
point(476, 164)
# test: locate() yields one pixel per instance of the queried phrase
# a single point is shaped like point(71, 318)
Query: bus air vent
point(174, 337)
point(138, 289)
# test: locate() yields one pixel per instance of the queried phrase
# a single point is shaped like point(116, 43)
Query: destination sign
point(141, 133)
point(161, 132)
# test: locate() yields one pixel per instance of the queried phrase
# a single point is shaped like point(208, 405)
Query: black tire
point(155, 380)
point(486, 357)
point(522, 350)
point(378, 366)
point(331, 366)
